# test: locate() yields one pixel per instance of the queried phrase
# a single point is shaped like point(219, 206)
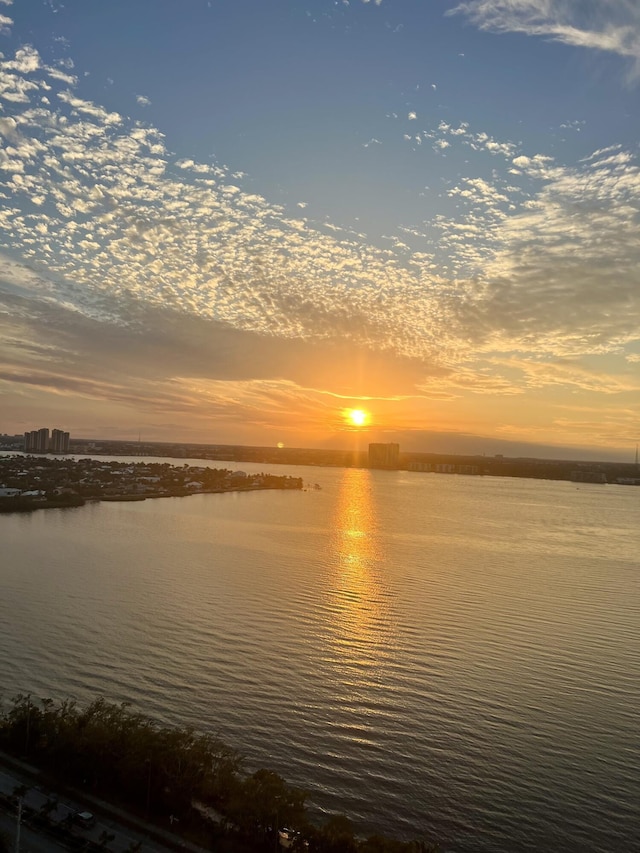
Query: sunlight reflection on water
point(359, 601)
point(455, 656)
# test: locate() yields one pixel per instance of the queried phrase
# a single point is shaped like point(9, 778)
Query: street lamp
point(17, 848)
point(146, 812)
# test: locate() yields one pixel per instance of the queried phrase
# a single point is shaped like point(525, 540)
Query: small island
point(37, 482)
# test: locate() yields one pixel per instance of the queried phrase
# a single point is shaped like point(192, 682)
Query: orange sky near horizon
point(240, 258)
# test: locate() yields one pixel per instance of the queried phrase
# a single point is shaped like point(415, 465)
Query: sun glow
point(356, 417)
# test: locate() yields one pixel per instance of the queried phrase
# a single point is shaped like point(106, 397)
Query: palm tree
point(50, 806)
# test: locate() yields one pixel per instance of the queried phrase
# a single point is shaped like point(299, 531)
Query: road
point(120, 838)
point(30, 842)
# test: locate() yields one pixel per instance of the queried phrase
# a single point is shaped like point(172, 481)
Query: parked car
point(84, 819)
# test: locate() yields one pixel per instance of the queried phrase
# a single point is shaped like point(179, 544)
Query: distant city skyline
point(323, 224)
point(40, 441)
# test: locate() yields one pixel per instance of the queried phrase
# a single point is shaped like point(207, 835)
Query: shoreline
point(24, 506)
point(153, 495)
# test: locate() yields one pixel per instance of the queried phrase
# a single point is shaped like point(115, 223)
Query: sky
point(234, 221)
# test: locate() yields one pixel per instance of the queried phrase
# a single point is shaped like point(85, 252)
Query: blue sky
point(229, 221)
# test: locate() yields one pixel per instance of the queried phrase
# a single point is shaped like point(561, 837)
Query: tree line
point(124, 756)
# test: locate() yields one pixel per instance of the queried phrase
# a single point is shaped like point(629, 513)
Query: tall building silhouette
point(59, 441)
point(384, 456)
point(38, 441)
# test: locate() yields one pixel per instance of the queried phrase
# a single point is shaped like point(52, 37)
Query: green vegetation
point(28, 504)
point(37, 482)
point(160, 772)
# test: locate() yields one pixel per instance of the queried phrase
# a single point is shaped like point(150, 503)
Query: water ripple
point(459, 658)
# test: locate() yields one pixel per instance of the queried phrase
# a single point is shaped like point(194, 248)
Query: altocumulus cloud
point(103, 205)
point(542, 260)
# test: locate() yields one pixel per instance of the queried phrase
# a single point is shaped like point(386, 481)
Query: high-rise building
point(38, 441)
point(59, 441)
point(43, 440)
point(384, 456)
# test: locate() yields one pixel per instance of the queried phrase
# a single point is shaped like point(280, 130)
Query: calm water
point(446, 655)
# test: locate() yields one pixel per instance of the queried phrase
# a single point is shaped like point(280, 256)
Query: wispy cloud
point(606, 25)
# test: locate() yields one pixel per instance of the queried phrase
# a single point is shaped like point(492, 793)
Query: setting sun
point(356, 417)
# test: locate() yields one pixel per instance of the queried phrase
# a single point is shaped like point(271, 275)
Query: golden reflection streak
point(359, 600)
